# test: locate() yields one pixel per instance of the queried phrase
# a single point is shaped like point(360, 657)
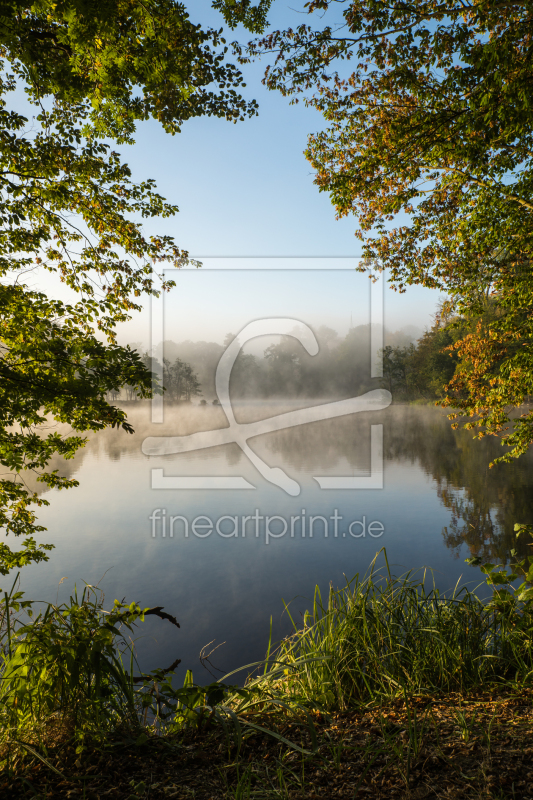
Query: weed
point(465, 725)
point(381, 636)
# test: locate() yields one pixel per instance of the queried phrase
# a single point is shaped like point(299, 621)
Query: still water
point(439, 504)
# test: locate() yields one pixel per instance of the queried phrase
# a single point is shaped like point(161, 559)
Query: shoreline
point(451, 747)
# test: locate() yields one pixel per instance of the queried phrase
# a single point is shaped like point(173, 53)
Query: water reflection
point(440, 503)
point(484, 503)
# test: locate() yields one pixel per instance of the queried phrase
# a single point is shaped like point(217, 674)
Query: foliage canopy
point(69, 205)
point(429, 142)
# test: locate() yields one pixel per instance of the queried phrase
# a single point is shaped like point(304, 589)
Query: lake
point(225, 570)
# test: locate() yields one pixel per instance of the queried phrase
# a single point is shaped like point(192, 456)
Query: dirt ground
point(449, 747)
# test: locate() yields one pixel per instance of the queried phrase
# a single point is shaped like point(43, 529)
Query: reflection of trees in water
point(326, 445)
point(484, 503)
point(485, 520)
point(471, 523)
point(114, 444)
point(233, 454)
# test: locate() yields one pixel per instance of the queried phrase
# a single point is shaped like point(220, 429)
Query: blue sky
point(247, 189)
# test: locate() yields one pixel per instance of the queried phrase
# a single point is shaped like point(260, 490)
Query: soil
point(448, 747)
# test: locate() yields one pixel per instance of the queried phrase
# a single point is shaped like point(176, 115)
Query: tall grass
point(67, 672)
point(63, 671)
point(67, 677)
point(381, 636)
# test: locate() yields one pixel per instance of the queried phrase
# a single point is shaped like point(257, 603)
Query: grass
point(387, 689)
point(389, 751)
point(381, 636)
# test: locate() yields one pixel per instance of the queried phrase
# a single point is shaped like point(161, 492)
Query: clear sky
point(247, 189)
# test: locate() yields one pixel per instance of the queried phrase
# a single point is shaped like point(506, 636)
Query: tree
point(245, 375)
point(68, 205)
point(180, 380)
point(396, 372)
point(434, 362)
point(429, 141)
point(284, 370)
point(122, 62)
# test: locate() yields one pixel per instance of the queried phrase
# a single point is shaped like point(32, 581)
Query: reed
point(382, 636)
point(64, 671)
point(67, 672)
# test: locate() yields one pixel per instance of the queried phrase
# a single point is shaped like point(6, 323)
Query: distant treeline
point(422, 369)
point(342, 368)
point(438, 365)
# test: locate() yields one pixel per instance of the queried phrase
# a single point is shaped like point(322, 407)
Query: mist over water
point(274, 366)
point(440, 503)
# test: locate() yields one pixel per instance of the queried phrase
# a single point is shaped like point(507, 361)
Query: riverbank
point(480, 746)
point(387, 690)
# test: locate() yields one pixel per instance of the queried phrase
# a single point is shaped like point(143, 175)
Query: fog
point(282, 368)
point(484, 503)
